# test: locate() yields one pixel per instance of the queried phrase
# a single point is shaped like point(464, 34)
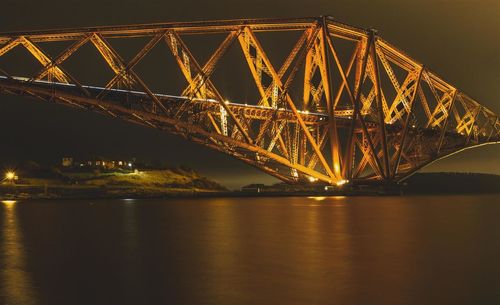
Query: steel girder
point(366, 111)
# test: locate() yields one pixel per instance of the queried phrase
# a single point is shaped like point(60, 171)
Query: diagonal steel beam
point(291, 105)
point(407, 123)
point(14, 42)
point(63, 56)
point(209, 67)
point(284, 87)
point(44, 59)
point(122, 75)
point(445, 124)
point(175, 39)
point(116, 63)
point(355, 101)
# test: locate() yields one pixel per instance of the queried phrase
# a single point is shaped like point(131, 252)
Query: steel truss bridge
point(343, 105)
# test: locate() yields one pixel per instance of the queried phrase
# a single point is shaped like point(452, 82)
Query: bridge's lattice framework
point(365, 110)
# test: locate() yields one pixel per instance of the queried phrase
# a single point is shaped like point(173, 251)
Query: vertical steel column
point(332, 124)
point(385, 152)
point(349, 154)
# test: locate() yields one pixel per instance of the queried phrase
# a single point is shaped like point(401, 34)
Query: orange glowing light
point(10, 175)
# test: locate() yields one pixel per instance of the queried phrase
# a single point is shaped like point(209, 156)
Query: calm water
point(336, 250)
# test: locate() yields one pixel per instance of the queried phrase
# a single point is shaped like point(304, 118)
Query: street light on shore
point(10, 176)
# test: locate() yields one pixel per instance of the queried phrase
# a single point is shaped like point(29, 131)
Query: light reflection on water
point(296, 250)
point(15, 278)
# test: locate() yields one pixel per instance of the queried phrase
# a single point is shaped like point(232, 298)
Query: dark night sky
point(457, 39)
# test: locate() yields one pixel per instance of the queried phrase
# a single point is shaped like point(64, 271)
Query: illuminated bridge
point(305, 100)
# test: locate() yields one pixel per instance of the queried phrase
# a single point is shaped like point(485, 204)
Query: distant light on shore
point(10, 176)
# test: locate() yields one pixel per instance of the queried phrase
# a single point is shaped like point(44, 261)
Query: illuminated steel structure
point(369, 114)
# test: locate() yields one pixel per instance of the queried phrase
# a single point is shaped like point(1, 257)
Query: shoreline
point(184, 183)
point(98, 194)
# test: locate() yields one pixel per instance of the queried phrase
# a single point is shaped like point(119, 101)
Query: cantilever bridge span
point(340, 105)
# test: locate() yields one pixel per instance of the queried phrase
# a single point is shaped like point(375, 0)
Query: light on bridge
point(341, 182)
point(312, 179)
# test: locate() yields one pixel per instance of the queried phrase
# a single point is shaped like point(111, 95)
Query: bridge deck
point(249, 110)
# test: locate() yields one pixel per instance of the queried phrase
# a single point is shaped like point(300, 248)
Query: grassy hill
point(53, 183)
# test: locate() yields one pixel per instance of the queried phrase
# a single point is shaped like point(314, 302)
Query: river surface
point(296, 250)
